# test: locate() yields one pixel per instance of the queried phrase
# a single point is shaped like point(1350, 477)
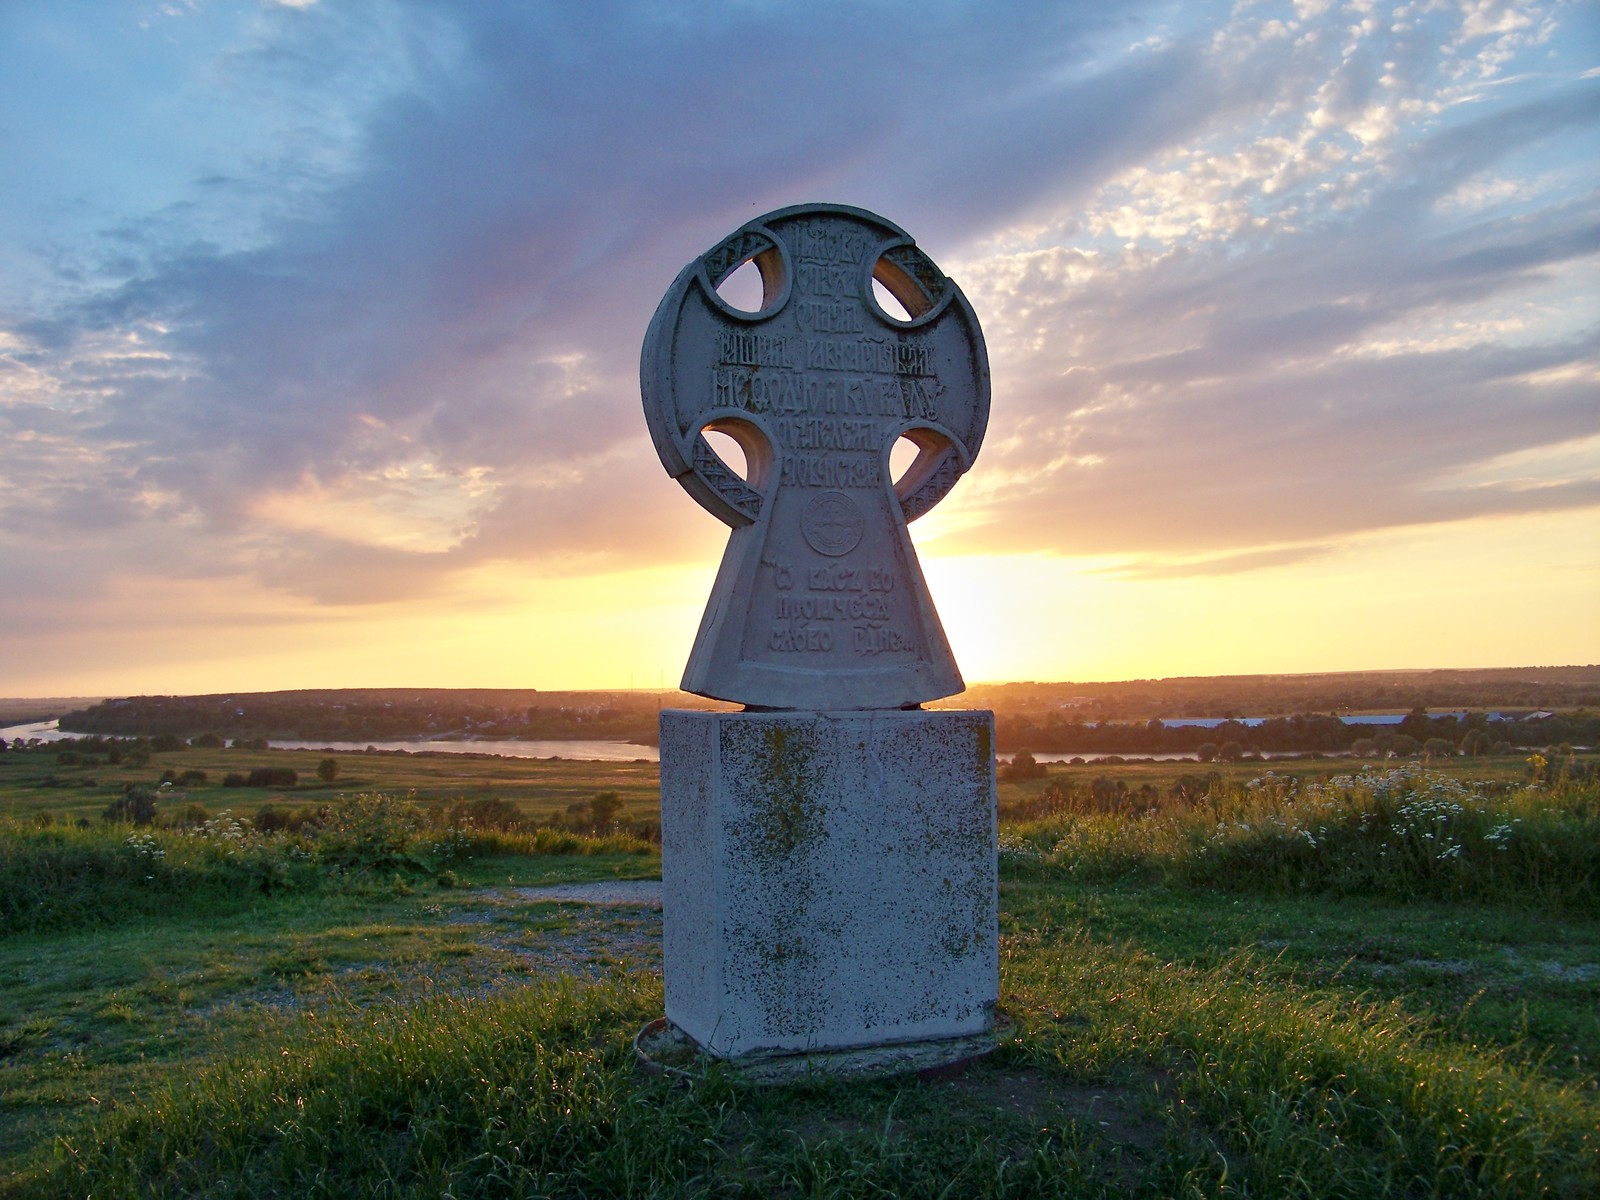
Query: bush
point(328, 770)
point(269, 820)
point(1023, 766)
point(597, 814)
point(370, 832)
point(136, 806)
point(272, 777)
point(484, 813)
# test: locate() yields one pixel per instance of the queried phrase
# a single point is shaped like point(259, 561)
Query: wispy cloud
point(1252, 278)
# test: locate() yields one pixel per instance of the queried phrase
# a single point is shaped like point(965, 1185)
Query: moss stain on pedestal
point(789, 817)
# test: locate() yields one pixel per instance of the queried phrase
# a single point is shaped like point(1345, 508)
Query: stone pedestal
point(829, 879)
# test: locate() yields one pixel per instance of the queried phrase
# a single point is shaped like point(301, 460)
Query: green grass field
point(36, 782)
point(1202, 1001)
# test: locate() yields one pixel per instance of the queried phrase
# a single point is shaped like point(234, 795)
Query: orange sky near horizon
point(1387, 602)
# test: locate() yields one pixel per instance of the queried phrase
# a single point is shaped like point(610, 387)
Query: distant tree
point(1231, 752)
point(1404, 745)
point(208, 741)
point(328, 770)
point(1206, 752)
point(1475, 743)
point(167, 743)
point(1022, 766)
point(1415, 722)
point(606, 807)
point(597, 814)
point(1439, 748)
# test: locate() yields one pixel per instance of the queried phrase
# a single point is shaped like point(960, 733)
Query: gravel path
point(635, 893)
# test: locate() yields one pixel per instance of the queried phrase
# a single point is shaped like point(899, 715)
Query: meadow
point(1304, 979)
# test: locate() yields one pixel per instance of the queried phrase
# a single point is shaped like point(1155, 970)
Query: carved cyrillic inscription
point(795, 393)
point(833, 608)
point(819, 609)
point(815, 317)
point(837, 471)
point(822, 433)
point(871, 355)
point(832, 245)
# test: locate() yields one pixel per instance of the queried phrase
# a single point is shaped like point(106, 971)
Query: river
point(48, 731)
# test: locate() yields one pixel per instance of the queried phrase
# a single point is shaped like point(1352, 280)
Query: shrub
point(483, 813)
point(136, 806)
point(1023, 766)
point(370, 832)
point(269, 820)
point(597, 814)
point(272, 777)
point(189, 814)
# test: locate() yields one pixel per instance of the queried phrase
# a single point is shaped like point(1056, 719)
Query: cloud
point(1226, 564)
point(1229, 306)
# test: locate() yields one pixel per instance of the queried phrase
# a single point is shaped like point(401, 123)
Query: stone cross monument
point(828, 855)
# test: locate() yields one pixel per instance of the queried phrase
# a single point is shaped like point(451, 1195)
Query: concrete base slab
point(661, 1048)
point(829, 880)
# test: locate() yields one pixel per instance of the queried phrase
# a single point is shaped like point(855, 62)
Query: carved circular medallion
point(832, 523)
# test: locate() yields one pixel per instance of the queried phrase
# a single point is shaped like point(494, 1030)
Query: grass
point(1186, 1022)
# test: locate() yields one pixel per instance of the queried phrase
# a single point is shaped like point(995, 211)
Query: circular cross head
point(709, 365)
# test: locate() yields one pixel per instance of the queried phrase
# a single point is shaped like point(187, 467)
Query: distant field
point(34, 781)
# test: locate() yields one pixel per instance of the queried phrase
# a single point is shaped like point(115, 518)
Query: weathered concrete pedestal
point(830, 885)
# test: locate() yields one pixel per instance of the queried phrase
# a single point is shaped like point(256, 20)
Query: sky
point(320, 325)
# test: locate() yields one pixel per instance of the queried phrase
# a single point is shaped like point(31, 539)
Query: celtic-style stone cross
point(820, 602)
